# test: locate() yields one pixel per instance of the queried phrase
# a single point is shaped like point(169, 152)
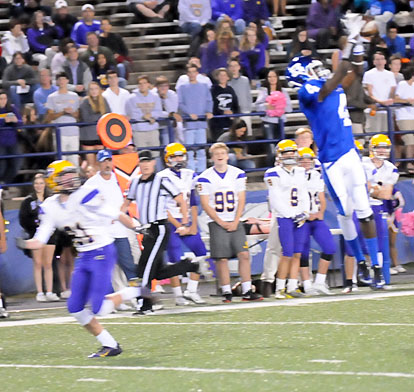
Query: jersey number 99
point(224, 201)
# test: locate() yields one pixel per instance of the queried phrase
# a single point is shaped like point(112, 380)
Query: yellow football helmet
point(359, 145)
point(307, 153)
point(55, 172)
point(174, 150)
point(380, 141)
point(287, 146)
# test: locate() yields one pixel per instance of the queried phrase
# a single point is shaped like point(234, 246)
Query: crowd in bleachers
point(230, 49)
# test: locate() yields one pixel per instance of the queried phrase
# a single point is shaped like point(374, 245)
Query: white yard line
point(213, 370)
point(215, 308)
point(92, 380)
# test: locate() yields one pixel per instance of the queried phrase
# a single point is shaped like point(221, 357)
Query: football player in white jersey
point(315, 226)
point(84, 215)
point(175, 157)
point(382, 175)
point(289, 202)
point(222, 190)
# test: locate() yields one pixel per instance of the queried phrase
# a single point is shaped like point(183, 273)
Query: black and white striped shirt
point(151, 196)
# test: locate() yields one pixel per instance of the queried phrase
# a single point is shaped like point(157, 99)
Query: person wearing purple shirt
point(10, 118)
point(229, 9)
point(322, 23)
point(252, 54)
point(254, 10)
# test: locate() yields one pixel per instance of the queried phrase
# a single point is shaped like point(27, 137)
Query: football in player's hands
point(369, 29)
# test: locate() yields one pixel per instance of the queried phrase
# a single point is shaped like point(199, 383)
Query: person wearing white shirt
point(405, 114)
point(115, 96)
point(380, 85)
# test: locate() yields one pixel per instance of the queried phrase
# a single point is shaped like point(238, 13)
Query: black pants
point(151, 263)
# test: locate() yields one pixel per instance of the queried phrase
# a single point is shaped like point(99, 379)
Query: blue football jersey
point(329, 120)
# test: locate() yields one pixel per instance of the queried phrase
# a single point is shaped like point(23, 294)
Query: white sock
point(1, 302)
point(107, 307)
point(128, 293)
point(280, 284)
point(226, 289)
point(246, 286)
point(106, 339)
point(177, 291)
point(292, 285)
point(320, 278)
point(307, 284)
point(192, 286)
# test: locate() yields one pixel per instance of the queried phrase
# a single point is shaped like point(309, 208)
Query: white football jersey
point(223, 190)
point(315, 185)
point(85, 216)
point(288, 193)
point(386, 174)
point(185, 181)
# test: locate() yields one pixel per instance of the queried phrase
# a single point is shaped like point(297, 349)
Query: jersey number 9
point(294, 197)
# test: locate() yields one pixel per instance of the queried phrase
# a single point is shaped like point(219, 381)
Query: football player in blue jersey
point(323, 101)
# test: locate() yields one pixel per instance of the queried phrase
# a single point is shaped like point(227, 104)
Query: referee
point(151, 192)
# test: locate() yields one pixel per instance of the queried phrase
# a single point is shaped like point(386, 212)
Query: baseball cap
point(60, 4)
point(145, 155)
point(88, 6)
point(103, 155)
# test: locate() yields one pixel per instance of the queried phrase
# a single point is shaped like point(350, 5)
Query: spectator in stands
point(252, 55)
point(231, 10)
point(116, 44)
point(382, 11)
point(20, 80)
point(395, 43)
point(90, 55)
point(43, 34)
point(24, 9)
point(394, 63)
point(169, 104)
point(193, 15)
point(149, 10)
point(183, 79)
point(87, 24)
point(301, 45)
point(209, 35)
point(29, 219)
point(241, 87)
point(195, 101)
point(254, 10)
point(63, 107)
point(322, 23)
point(92, 108)
point(238, 155)
point(224, 102)
point(77, 71)
point(144, 105)
point(59, 58)
point(381, 86)
point(377, 44)
point(100, 69)
point(63, 19)
point(115, 96)
point(279, 5)
point(271, 125)
point(219, 52)
point(14, 41)
point(40, 95)
point(405, 115)
point(10, 120)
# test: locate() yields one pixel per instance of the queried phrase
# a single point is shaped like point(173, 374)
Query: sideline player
point(323, 102)
point(222, 190)
point(84, 215)
point(289, 202)
point(175, 158)
point(315, 226)
point(3, 248)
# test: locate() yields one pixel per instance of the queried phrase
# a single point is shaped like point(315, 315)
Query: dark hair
point(236, 59)
point(91, 33)
point(61, 75)
point(237, 124)
point(69, 46)
point(111, 72)
point(392, 25)
point(13, 23)
point(141, 77)
point(8, 104)
point(260, 33)
point(267, 84)
point(33, 25)
point(161, 80)
point(408, 72)
point(18, 54)
point(64, 42)
point(46, 192)
point(192, 65)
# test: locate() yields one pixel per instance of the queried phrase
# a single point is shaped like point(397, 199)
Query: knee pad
point(326, 257)
point(83, 317)
point(106, 308)
point(304, 261)
point(367, 219)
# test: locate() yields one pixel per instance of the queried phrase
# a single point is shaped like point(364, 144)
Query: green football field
point(346, 343)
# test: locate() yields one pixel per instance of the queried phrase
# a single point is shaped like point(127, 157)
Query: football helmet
point(282, 148)
point(62, 177)
point(173, 150)
point(307, 153)
point(303, 68)
point(359, 146)
point(380, 141)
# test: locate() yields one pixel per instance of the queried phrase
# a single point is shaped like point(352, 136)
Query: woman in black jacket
point(42, 258)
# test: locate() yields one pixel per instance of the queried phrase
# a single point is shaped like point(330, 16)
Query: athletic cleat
point(107, 352)
point(52, 297)
point(347, 290)
point(142, 312)
point(65, 294)
point(181, 301)
point(281, 294)
point(227, 297)
point(311, 291)
point(364, 276)
point(250, 296)
point(400, 269)
point(295, 294)
point(393, 271)
point(3, 313)
point(195, 297)
point(41, 297)
point(322, 288)
point(378, 282)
